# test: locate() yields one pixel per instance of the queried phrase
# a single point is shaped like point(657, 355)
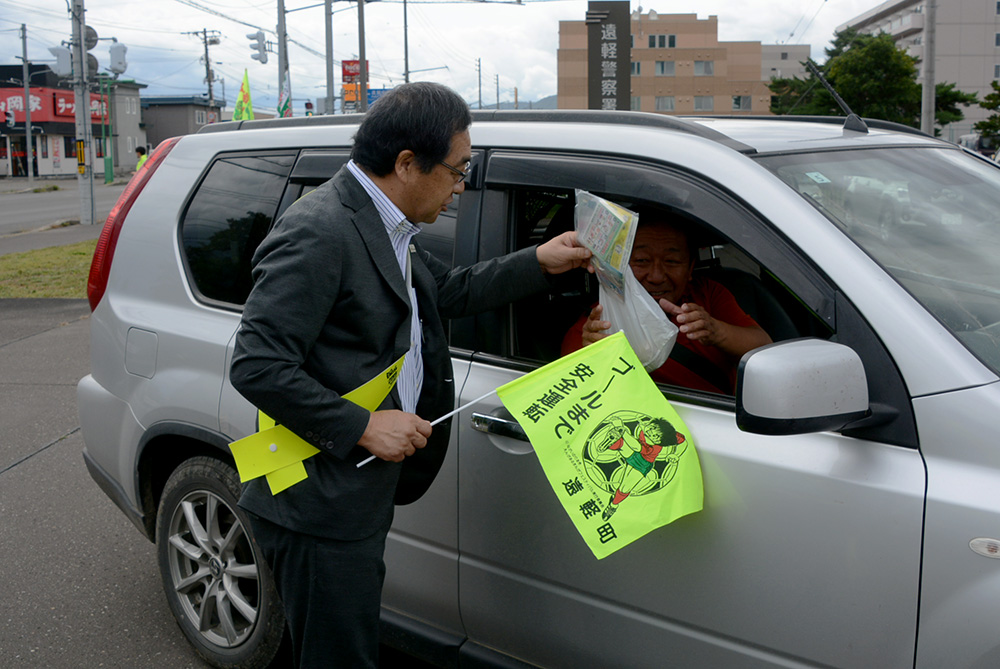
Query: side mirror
point(800, 386)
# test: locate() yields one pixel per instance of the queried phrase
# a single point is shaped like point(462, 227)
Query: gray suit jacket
point(328, 311)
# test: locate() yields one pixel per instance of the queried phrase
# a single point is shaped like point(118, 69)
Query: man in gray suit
point(341, 292)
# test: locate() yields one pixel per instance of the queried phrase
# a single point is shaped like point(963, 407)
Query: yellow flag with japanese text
point(619, 458)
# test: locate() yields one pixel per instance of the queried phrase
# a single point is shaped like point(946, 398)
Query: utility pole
point(929, 98)
point(29, 150)
point(515, 98)
point(406, 47)
point(362, 63)
point(328, 14)
point(479, 71)
point(496, 80)
point(283, 74)
point(84, 39)
point(213, 39)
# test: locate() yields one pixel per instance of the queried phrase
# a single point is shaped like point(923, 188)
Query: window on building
point(998, 9)
point(636, 69)
point(665, 68)
point(199, 116)
point(704, 68)
point(69, 147)
point(662, 41)
point(43, 143)
point(784, 55)
point(996, 71)
point(741, 103)
point(704, 103)
point(664, 103)
point(634, 103)
point(997, 39)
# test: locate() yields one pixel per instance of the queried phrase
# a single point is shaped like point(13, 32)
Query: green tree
point(874, 77)
point(990, 127)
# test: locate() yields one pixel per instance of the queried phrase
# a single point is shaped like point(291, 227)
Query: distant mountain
point(545, 103)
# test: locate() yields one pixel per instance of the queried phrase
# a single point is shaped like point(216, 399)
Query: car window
point(928, 216)
point(538, 213)
point(227, 218)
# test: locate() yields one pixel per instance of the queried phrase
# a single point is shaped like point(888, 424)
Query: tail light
point(100, 266)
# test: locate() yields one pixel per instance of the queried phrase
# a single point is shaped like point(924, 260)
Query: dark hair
point(421, 117)
point(141, 150)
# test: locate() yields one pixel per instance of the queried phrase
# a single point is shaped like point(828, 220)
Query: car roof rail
point(835, 120)
point(589, 116)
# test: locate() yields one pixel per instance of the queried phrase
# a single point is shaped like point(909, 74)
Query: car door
point(808, 547)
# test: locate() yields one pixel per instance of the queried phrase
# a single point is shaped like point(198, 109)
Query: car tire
point(217, 584)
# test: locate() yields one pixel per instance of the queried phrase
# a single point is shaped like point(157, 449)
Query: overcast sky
point(515, 43)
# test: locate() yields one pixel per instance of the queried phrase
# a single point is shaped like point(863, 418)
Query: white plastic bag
point(646, 327)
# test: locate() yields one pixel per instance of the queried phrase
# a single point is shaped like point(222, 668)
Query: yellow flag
point(243, 111)
point(619, 458)
point(277, 453)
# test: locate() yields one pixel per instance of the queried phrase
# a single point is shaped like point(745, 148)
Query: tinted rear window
point(228, 217)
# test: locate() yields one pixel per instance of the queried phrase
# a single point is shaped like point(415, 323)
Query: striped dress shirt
point(401, 232)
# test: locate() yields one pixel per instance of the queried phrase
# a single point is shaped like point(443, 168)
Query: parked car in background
point(852, 485)
point(986, 146)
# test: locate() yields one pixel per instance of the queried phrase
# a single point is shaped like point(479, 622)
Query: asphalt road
point(80, 584)
point(27, 218)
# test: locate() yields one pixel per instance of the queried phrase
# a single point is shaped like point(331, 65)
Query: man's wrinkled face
point(433, 192)
point(661, 261)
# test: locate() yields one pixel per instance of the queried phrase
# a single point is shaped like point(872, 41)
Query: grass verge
point(59, 271)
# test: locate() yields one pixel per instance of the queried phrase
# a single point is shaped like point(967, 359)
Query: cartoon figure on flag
point(631, 453)
point(619, 458)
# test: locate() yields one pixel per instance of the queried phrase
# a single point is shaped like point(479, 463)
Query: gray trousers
point(331, 590)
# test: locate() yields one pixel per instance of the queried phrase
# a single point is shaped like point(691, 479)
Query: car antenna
point(853, 122)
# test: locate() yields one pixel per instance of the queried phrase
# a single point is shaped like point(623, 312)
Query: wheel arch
point(164, 446)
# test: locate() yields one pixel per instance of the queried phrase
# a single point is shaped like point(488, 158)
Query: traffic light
point(9, 115)
point(309, 108)
point(118, 62)
point(259, 45)
point(63, 66)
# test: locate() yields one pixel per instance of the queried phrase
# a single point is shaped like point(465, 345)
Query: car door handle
point(502, 427)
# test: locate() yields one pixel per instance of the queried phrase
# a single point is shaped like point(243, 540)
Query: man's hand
point(595, 329)
point(695, 322)
point(393, 435)
point(563, 253)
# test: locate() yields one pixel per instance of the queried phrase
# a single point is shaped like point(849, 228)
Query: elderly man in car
point(714, 332)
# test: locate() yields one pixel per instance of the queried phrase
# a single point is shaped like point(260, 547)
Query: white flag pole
point(433, 423)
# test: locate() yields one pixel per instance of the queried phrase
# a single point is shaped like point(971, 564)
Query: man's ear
point(406, 165)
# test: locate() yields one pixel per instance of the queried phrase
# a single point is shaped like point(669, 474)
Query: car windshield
point(930, 216)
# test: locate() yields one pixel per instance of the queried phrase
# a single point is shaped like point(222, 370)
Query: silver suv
point(852, 484)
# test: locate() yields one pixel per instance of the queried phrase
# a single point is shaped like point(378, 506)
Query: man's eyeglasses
point(461, 174)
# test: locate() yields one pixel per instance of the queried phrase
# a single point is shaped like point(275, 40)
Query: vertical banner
point(285, 97)
point(608, 55)
point(617, 455)
point(243, 111)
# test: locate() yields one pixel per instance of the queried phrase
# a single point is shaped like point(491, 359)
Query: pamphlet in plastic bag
point(608, 230)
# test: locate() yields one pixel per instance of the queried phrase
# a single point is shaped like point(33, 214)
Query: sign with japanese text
point(47, 105)
point(608, 55)
point(619, 458)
